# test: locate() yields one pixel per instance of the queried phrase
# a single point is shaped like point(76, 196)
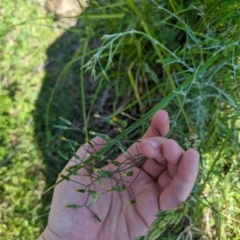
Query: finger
point(182, 183)
point(163, 154)
point(172, 153)
point(159, 125)
point(156, 162)
point(152, 148)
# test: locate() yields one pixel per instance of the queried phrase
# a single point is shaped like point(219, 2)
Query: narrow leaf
point(116, 163)
point(65, 121)
point(92, 192)
point(98, 157)
point(104, 173)
point(75, 155)
point(129, 174)
point(72, 171)
point(72, 142)
point(133, 201)
point(88, 164)
point(96, 216)
point(94, 195)
point(63, 156)
point(63, 177)
point(117, 188)
point(71, 206)
point(151, 73)
point(61, 127)
point(100, 182)
point(71, 146)
point(140, 238)
point(80, 190)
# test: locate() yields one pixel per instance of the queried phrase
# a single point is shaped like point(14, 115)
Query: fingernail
point(153, 143)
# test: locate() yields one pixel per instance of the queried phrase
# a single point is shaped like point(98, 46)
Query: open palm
point(163, 182)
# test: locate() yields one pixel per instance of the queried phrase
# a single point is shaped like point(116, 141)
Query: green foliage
point(123, 61)
point(163, 220)
point(22, 51)
point(5, 122)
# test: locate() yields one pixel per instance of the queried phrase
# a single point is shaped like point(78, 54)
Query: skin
point(165, 181)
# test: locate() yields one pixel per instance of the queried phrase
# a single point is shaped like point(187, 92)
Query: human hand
point(164, 181)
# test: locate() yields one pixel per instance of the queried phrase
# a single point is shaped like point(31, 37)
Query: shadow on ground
point(64, 101)
point(62, 98)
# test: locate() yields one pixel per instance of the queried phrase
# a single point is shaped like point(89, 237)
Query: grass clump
point(195, 76)
point(127, 59)
point(23, 41)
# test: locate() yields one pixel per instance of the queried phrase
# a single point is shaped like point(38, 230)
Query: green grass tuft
point(123, 60)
